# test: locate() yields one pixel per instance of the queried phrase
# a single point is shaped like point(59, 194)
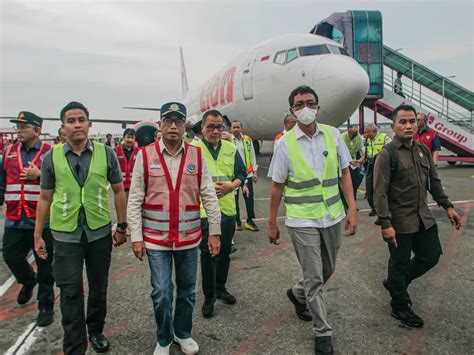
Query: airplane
point(254, 88)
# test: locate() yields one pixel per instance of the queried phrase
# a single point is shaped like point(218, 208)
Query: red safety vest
point(171, 214)
point(21, 194)
point(126, 165)
point(426, 138)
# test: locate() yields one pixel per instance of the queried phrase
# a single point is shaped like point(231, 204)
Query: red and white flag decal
point(264, 58)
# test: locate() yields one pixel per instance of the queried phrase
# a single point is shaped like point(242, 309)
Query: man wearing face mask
point(309, 163)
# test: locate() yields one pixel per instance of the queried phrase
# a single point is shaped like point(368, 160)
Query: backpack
point(395, 160)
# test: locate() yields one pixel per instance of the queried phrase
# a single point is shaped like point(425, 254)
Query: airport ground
point(263, 320)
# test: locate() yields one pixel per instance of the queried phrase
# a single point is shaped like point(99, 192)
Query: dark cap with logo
point(173, 108)
point(28, 118)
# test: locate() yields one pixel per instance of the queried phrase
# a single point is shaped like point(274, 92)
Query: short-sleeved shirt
point(80, 168)
point(313, 151)
point(436, 145)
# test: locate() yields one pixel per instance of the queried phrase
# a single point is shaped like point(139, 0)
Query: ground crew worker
point(288, 123)
point(356, 147)
point(427, 136)
point(246, 150)
point(108, 140)
point(19, 188)
point(308, 164)
point(374, 143)
point(403, 214)
point(74, 194)
point(158, 135)
point(228, 173)
point(61, 135)
point(126, 154)
point(168, 228)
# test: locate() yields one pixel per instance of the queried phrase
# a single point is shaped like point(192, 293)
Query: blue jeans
point(185, 263)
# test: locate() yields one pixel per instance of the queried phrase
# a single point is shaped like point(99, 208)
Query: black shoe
point(208, 307)
point(226, 297)
point(251, 226)
point(99, 342)
point(301, 310)
point(372, 213)
point(45, 317)
point(323, 346)
point(407, 317)
point(238, 225)
point(26, 292)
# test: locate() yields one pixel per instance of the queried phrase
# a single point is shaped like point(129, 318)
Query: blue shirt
point(27, 155)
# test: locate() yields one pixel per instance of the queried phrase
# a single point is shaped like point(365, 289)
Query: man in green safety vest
point(74, 193)
point(355, 144)
point(228, 173)
point(309, 163)
point(374, 143)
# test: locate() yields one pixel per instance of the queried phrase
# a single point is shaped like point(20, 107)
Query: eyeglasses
point(169, 121)
point(22, 127)
point(300, 104)
point(212, 127)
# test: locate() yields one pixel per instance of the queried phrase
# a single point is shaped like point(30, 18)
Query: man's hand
point(120, 237)
point(388, 234)
point(255, 176)
point(139, 249)
point(223, 188)
point(351, 223)
point(454, 217)
point(214, 244)
point(32, 172)
point(40, 248)
point(245, 190)
point(273, 233)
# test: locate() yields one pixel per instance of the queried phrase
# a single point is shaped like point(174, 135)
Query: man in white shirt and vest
point(74, 193)
point(246, 150)
point(309, 163)
point(169, 181)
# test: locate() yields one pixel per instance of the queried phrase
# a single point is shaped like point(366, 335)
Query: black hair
point(129, 132)
point(402, 108)
point(108, 135)
point(241, 125)
point(72, 106)
point(214, 113)
point(302, 89)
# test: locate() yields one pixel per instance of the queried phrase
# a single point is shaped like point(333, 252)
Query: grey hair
point(423, 115)
point(371, 126)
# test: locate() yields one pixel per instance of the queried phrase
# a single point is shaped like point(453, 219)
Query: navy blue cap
point(28, 117)
point(173, 108)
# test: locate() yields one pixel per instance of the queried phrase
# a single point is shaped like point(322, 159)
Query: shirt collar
point(89, 147)
point(299, 133)
point(426, 129)
point(162, 147)
point(210, 146)
point(399, 143)
point(36, 146)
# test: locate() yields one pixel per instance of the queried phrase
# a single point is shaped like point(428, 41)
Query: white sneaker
point(162, 350)
point(188, 346)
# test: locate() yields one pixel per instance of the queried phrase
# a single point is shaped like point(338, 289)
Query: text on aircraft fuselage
point(219, 89)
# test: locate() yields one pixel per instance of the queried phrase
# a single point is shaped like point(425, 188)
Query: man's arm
point(346, 185)
point(136, 196)
point(42, 213)
point(436, 148)
point(120, 236)
point(275, 199)
point(223, 188)
point(3, 182)
point(381, 189)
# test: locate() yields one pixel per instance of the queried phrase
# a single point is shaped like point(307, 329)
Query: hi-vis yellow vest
point(69, 196)
point(222, 170)
point(379, 142)
point(305, 196)
point(247, 143)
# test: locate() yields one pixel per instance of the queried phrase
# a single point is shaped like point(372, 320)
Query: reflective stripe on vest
point(306, 196)
point(222, 170)
point(69, 196)
point(373, 149)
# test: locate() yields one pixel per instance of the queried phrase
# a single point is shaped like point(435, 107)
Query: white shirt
point(239, 143)
point(313, 151)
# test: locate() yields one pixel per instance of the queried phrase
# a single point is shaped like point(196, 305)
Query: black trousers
point(403, 268)
point(68, 265)
point(356, 178)
point(249, 203)
point(17, 243)
point(214, 270)
point(369, 183)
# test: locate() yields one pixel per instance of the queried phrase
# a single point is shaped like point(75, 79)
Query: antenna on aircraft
point(184, 79)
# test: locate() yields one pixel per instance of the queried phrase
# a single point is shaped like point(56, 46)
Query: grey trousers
point(316, 250)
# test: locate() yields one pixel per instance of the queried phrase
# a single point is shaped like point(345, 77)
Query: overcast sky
point(109, 54)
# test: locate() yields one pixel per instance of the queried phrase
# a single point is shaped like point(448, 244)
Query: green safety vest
point(247, 142)
point(354, 148)
point(378, 143)
point(69, 197)
point(305, 196)
point(222, 170)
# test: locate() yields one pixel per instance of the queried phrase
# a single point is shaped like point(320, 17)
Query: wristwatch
point(122, 226)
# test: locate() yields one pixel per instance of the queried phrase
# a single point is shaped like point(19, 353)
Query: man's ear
point(90, 124)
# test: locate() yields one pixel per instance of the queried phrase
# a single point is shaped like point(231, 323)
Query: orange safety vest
point(171, 214)
point(126, 165)
point(21, 194)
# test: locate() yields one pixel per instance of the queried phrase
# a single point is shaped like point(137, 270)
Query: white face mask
point(306, 115)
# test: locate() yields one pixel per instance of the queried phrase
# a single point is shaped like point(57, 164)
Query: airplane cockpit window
point(338, 50)
point(292, 54)
point(314, 50)
point(280, 58)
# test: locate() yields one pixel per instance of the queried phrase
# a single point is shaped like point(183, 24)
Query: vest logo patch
point(191, 167)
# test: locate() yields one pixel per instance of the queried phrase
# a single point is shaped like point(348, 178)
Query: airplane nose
point(341, 85)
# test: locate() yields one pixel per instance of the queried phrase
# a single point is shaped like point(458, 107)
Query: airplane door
point(247, 79)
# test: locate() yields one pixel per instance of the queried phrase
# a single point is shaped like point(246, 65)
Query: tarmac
point(263, 320)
